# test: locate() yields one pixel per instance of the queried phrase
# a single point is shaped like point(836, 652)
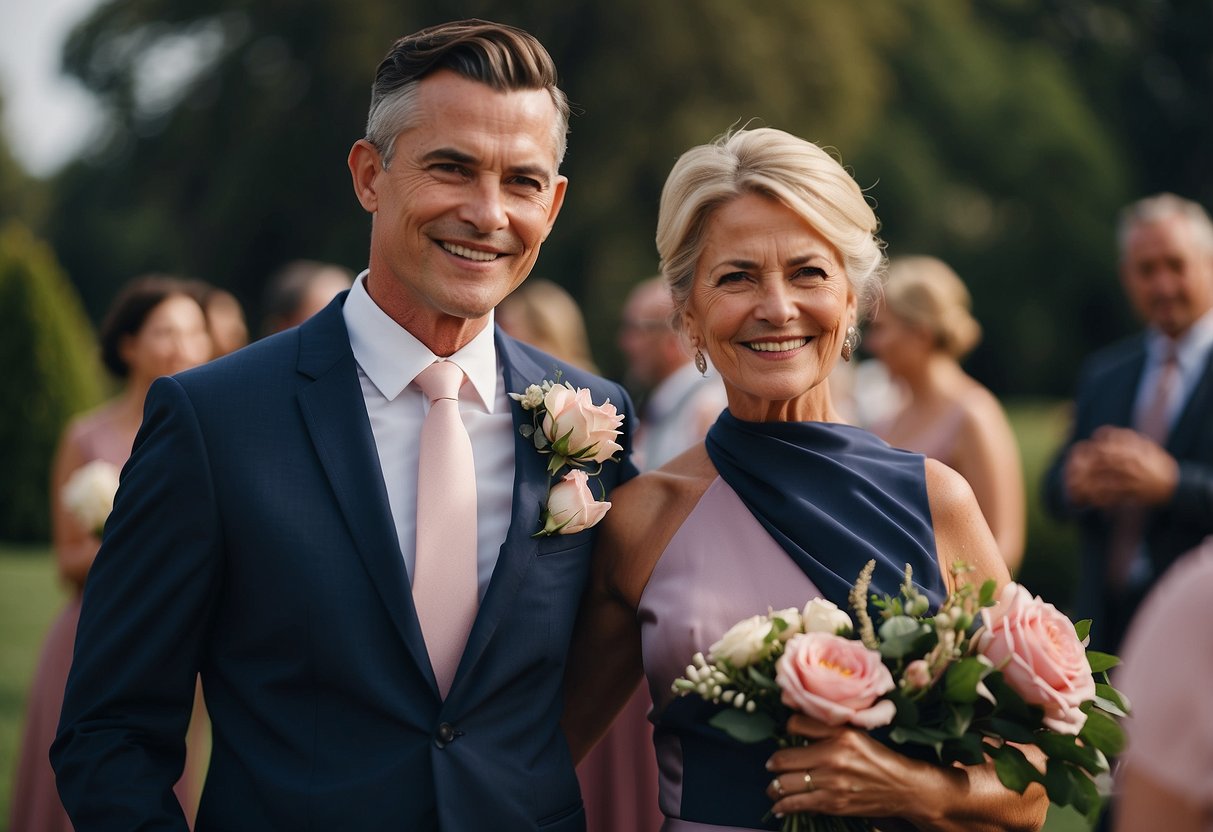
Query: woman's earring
point(849, 343)
point(701, 363)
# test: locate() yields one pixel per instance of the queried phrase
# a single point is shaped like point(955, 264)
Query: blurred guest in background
point(684, 397)
point(1165, 777)
point(299, 290)
point(922, 330)
point(224, 319)
point(1137, 470)
point(155, 326)
point(546, 316)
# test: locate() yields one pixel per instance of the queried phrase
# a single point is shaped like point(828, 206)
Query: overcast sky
point(46, 117)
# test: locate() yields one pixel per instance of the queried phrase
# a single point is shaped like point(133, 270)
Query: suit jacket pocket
point(569, 819)
point(557, 543)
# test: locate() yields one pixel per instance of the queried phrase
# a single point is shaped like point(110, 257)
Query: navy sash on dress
point(833, 497)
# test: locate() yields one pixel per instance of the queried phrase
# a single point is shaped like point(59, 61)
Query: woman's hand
point(843, 771)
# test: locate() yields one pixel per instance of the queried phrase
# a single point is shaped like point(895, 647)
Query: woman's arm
point(987, 456)
point(75, 546)
point(605, 662)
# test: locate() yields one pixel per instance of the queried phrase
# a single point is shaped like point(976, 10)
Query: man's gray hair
point(1162, 207)
point(503, 57)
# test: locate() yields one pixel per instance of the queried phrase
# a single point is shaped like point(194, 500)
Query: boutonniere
point(577, 435)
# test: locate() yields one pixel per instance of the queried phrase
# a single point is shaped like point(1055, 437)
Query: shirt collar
point(1191, 348)
point(391, 357)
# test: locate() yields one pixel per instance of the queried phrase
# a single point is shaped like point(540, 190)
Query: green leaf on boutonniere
point(742, 726)
point(761, 679)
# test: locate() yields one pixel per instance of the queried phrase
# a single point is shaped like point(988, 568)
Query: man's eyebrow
point(449, 154)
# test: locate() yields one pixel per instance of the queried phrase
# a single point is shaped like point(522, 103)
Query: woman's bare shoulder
point(645, 513)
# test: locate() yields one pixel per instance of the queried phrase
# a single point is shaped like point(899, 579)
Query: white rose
point(89, 493)
point(822, 616)
point(791, 617)
point(744, 644)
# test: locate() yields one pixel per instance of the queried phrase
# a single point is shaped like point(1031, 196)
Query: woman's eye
point(810, 271)
point(731, 277)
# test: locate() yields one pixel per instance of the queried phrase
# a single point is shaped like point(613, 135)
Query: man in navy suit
point(1137, 471)
point(264, 532)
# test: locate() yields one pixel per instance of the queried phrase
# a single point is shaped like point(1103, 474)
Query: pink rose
point(917, 675)
point(1040, 656)
point(578, 428)
point(836, 680)
point(572, 507)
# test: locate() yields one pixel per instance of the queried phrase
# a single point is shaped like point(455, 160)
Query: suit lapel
point(333, 409)
point(1194, 418)
point(517, 553)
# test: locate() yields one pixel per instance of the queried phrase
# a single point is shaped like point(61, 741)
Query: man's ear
point(365, 164)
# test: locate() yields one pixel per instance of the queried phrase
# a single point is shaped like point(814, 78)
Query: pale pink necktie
point(1153, 422)
point(444, 575)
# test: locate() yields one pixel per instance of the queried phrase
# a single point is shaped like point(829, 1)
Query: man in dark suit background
point(265, 533)
point(1137, 471)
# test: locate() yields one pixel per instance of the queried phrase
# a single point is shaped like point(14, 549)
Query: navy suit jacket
point(251, 541)
point(1107, 389)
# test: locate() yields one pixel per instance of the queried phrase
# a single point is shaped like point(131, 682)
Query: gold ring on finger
point(808, 782)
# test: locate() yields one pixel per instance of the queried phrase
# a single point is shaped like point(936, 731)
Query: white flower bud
point(749, 707)
point(728, 695)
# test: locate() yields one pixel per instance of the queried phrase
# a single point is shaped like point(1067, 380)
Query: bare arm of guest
point(75, 546)
point(987, 455)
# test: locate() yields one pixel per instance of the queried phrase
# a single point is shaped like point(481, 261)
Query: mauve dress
point(720, 567)
point(36, 806)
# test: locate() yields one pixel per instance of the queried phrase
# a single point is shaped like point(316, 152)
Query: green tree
point(51, 369)
point(980, 142)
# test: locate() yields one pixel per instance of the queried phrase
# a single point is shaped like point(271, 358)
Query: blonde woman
point(923, 329)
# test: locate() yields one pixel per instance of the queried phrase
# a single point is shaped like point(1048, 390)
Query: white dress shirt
point(389, 358)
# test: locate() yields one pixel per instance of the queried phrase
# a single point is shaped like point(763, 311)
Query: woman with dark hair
point(154, 327)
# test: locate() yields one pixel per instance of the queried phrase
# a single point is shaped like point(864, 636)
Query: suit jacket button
point(446, 734)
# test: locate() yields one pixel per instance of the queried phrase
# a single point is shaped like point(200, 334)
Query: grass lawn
point(30, 595)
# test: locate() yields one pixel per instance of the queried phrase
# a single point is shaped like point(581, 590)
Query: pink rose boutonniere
point(575, 434)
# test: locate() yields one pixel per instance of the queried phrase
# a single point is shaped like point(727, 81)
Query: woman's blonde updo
point(925, 293)
point(778, 165)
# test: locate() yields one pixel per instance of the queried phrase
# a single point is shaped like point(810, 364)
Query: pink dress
point(36, 806)
point(1166, 673)
point(720, 567)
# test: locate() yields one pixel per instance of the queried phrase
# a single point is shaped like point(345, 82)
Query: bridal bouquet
point(89, 494)
point(962, 684)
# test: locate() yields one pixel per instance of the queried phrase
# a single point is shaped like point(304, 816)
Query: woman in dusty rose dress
point(769, 248)
point(155, 327)
point(923, 329)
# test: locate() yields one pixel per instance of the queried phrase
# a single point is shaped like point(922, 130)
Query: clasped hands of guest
point(1118, 467)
